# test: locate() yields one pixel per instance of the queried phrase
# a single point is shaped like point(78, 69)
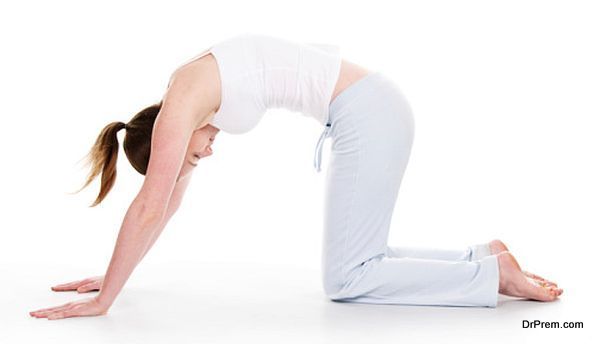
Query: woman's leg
point(372, 133)
point(471, 253)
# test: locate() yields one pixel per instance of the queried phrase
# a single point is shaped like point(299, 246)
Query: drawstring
point(319, 148)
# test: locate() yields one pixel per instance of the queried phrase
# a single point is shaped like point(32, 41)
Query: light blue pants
point(372, 128)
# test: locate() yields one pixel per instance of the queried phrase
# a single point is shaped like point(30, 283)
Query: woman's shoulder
point(198, 79)
point(198, 61)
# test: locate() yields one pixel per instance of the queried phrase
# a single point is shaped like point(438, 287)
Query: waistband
point(353, 91)
point(339, 103)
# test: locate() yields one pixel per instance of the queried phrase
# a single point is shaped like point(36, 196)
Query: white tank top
point(259, 72)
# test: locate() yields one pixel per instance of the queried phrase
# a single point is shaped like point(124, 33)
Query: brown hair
point(103, 154)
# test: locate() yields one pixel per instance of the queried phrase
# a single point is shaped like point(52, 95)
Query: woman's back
point(258, 72)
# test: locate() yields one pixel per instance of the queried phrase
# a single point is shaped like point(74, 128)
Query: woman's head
point(103, 155)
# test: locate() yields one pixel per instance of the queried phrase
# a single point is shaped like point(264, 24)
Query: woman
point(229, 87)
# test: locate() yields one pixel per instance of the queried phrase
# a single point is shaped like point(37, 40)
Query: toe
point(537, 277)
point(556, 292)
point(534, 290)
point(559, 291)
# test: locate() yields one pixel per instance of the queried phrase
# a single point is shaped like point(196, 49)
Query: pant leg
point(472, 253)
point(372, 137)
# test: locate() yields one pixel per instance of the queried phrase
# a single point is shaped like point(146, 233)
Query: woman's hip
point(371, 117)
point(372, 112)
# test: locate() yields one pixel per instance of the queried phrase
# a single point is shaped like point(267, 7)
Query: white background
point(506, 102)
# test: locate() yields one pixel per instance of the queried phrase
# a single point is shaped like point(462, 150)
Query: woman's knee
point(352, 283)
point(332, 287)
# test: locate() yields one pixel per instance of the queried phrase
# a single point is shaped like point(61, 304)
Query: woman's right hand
point(82, 286)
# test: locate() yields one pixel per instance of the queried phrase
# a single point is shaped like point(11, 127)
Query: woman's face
point(198, 148)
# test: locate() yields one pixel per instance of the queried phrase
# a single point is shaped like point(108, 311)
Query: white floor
point(194, 302)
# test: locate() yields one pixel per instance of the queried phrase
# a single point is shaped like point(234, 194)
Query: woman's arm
point(136, 231)
point(184, 106)
point(174, 204)
point(95, 283)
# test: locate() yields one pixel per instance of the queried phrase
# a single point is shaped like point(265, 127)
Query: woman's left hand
point(79, 308)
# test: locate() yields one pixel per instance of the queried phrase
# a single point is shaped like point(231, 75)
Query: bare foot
point(513, 282)
point(497, 246)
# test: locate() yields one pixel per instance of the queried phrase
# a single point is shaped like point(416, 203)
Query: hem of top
point(215, 120)
point(325, 118)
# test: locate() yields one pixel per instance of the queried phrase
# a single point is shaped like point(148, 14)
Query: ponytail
point(103, 158)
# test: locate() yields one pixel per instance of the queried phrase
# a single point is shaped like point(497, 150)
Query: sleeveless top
point(259, 72)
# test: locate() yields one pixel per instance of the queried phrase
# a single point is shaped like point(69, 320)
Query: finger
point(48, 309)
point(67, 313)
point(46, 313)
point(58, 310)
point(67, 286)
point(56, 288)
point(59, 315)
point(56, 315)
point(70, 283)
point(51, 309)
point(87, 287)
